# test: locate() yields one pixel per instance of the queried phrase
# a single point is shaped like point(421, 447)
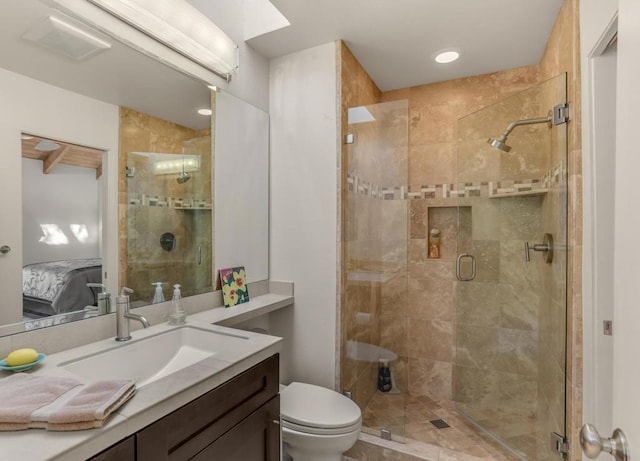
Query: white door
point(621, 391)
point(626, 340)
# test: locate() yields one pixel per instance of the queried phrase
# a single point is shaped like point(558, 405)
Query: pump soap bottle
point(178, 316)
point(158, 297)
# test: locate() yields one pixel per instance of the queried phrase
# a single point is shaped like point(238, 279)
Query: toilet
point(318, 424)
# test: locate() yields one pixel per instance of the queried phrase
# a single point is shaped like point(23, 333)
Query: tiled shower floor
point(411, 415)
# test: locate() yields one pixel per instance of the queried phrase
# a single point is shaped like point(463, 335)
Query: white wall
point(594, 17)
point(303, 235)
point(67, 195)
point(38, 108)
point(626, 340)
point(251, 83)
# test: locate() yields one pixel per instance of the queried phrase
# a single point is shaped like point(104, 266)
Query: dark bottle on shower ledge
point(384, 376)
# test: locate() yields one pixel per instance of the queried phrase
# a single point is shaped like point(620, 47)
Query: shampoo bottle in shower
point(434, 244)
point(177, 316)
point(384, 376)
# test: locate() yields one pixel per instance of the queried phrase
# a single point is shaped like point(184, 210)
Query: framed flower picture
point(234, 286)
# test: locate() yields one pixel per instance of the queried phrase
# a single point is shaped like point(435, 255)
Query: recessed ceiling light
point(445, 57)
point(204, 111)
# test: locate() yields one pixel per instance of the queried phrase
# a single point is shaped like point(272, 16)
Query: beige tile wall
point(434, 111)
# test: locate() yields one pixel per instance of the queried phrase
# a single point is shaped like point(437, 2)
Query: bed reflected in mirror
point(61, 210)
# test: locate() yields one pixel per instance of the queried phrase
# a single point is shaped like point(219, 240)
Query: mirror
point(241, 186)
point(166, 208)
point(61, 228)
point(48, 95)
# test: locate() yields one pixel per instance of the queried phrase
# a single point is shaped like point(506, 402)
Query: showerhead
point(183, 177)
point(499, 144)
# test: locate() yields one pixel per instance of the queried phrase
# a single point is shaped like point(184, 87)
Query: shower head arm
point(528, 121)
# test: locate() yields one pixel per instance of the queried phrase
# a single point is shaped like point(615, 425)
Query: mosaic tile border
point(168, 202)
point(500, 188)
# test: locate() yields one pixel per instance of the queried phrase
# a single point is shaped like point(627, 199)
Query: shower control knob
point(4, 249)
point(546, 247)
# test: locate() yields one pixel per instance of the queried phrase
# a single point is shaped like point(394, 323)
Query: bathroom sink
point(150, 358)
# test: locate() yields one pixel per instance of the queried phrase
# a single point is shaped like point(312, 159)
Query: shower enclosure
point(490, 243)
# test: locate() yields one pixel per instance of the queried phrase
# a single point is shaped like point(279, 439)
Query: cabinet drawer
point(187, 431)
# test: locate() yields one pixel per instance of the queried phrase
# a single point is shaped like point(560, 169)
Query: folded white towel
point(81, 406)
point(21, 394)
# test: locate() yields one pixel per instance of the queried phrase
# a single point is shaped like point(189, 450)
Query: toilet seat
point(320, 431)
point(316, 410)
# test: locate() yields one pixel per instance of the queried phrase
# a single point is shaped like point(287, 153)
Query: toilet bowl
point(318, 424)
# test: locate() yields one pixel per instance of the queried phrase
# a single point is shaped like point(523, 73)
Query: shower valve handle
point(535, 247)
point(546, 247)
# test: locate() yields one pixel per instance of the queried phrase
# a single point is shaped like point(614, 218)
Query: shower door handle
point(459, 259)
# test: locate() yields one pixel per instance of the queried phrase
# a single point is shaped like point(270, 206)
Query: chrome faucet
point(123, 315)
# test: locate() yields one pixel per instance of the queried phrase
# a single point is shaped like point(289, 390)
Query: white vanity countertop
point(151, 402)
point(229, 316)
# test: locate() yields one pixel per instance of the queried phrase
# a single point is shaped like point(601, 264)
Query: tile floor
point(410, 416)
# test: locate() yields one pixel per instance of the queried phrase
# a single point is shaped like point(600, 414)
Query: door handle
point(459, 259)
point(4, 249)
point(592, 444)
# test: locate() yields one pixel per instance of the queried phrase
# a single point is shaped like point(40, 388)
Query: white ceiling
point(395, 40)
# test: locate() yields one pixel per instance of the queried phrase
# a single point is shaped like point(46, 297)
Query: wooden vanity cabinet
point(237, 421)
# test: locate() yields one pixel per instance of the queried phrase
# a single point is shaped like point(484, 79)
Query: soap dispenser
point(158, 297)
point(177, 316)
point(104, 298)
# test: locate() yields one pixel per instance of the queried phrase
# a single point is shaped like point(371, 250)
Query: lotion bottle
point(178, 316)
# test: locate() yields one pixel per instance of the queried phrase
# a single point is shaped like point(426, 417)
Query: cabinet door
point(256, 438)
point(187, 431)
point(125, 450)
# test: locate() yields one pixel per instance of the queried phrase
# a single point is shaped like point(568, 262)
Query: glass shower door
point(375, 271)
point(509, 376)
